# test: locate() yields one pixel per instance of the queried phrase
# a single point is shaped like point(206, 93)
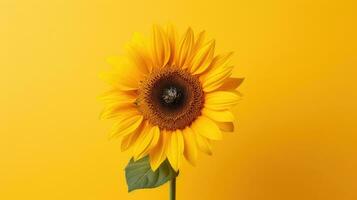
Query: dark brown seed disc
point(171, 98)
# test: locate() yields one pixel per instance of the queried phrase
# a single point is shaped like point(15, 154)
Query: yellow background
point(296, 135)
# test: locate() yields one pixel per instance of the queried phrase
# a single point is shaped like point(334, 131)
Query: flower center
point(171, 98)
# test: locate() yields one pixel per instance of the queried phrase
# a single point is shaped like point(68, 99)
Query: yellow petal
point(231, 83)
point(203, 58)
point(175, 149)
point(185, 49)
point(203, 144)
point(143, 140)
point(126, 126)
point(207, 128)
point(217, 74)
point(123, 76)
point(221, 100)
point(146, 141)
point(172, 35)
point(158, 154)
point(118, 111)
point(139, 53)
point(118, 102)
point(220, 116)
point(116, 95)
point(190, 149)
point(221, 60)
point(196, 46)
point(129, 141)
point(211, 82)
point(161, 47)
point(199, 42)
point(225, 126)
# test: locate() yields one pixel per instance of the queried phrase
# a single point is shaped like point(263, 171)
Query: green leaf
point(139, 174)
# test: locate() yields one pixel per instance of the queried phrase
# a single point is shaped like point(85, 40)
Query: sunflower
point(171, 96)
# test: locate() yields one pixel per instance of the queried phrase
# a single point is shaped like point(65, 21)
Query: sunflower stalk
point(173, 189)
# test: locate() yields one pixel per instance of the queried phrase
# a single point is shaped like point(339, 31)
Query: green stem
point(173, 189)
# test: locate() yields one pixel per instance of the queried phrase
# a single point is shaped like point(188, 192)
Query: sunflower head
point(171, 96)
